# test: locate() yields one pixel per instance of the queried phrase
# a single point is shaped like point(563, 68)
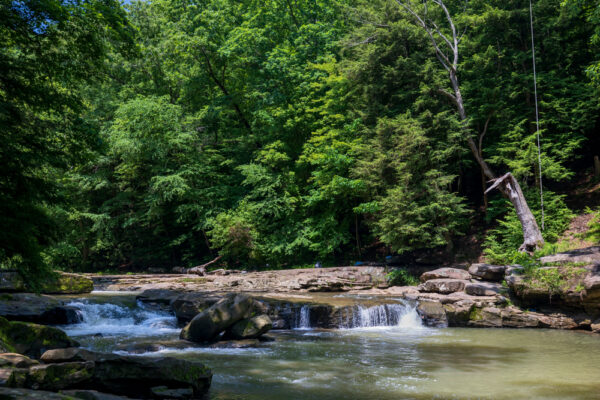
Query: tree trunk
point(507, 184)
point(596, 166)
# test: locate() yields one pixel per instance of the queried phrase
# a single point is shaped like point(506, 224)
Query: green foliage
point(401, 277)
point(593, 233)
point(502, 242)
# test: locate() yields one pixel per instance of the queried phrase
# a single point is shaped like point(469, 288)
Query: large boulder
point(136, 376)
point(40, 309)
point(207, 325)
point(487, 272)
point(443, 286)
point(445, 273)
point(250, 328)
point(14, 360)
point(32, 339)
point(432, 313)
point(66, 283)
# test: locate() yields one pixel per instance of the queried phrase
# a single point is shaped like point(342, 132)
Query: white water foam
point(112, 319)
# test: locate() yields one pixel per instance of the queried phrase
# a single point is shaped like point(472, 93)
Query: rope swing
point(537, 118)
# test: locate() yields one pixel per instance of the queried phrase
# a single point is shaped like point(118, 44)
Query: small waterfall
point(112, 319)
point(390, 315)
point(358, 316)
point(303, 318)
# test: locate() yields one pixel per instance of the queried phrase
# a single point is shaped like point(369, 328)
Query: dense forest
point(276, 133)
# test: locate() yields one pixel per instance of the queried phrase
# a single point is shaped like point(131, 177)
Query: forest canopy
point(276, 133)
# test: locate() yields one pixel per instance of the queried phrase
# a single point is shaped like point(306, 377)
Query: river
point(388, 354)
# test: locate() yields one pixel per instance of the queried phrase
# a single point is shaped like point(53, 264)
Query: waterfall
point(112, 319)
point(390, 315)
point(303, 318)
point(359, 316)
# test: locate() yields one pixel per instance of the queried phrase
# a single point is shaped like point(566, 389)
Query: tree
point(446, 50)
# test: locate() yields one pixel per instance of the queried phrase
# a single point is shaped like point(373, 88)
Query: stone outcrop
point(32, 339)
point(588, 255)
point(40, 309)
point(445, 273)
point(443, 286)
point(487, 272)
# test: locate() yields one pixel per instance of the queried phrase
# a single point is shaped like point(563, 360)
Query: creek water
point(387, 354)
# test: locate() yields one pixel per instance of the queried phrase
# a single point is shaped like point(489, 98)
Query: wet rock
point(68, 354)
point(66, 283)
point(235, 344)
point(33, 339)
point(20, 394)
point(280, 324)
point(458, 313)
point(250, 328)
point(14, 360)
point(55, 377)
point(13, 377)
point(487, 317)
point(514, 317)
point(11, 281)
point(432, 313)
point(40, 309)
point(443, 286)
point(134, 376)
point(163, 392)
point(188, 305)
point(205, 326)
point(92, 395)
point(445, 273)
point(483, 289)
point(488, 272)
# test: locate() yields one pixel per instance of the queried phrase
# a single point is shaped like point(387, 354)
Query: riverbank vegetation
point(277, 133)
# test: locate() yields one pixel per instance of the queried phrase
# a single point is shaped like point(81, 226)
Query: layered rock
point(443, 286)
point(445, 273)
point(487, 272)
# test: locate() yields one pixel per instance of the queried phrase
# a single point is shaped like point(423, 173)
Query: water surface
point(403, 361)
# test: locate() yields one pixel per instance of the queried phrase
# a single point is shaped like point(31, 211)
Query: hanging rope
point(537, 118)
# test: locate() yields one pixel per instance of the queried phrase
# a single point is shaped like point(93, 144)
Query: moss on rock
point(66, 283)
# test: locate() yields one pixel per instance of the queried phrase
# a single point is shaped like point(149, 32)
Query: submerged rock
point(32, 339)
point(207, 325)
point(445, 273)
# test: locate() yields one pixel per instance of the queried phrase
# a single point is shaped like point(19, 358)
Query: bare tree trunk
point(507, 184)
point(596, 166)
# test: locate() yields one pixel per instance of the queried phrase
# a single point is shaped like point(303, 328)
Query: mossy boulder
point(249, 328)
point(32, 339)
point(55, 377)
point(65, 283)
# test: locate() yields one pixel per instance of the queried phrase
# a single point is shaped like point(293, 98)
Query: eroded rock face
point(250, 328)
point(445, 273)
point(205, 326)
point(32, 339)
point(443, 286)
point(432, 313)
point(487, 272)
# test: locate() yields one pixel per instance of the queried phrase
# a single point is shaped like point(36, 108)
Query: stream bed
point(390, 355)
